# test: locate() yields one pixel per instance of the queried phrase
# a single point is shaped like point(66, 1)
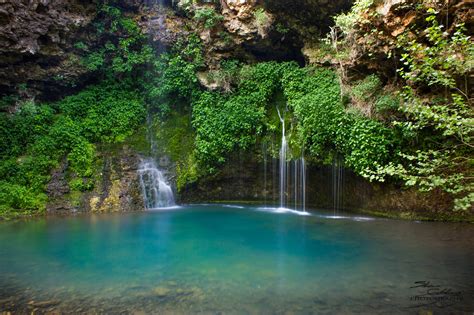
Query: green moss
point(137, 142)
point(366, 89)
point(175, 137)
point(75, 197)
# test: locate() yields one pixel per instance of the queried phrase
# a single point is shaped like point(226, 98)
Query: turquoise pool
point(235, 259)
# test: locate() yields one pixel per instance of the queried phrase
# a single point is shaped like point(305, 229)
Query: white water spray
point(283, 163)
point(156, 190)
point(303, 183)
point(337, 183)
point(298, 173)
point(157, 193)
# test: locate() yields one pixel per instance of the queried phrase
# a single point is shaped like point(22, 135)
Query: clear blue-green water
point(221, 259)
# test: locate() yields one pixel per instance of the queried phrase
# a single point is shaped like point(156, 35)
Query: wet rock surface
point(243, 179)
point(116, 186)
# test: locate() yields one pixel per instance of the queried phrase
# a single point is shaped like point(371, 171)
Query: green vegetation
point(366, 89)
point(225, 122)
point(171, 79)
point(432, 113)
point(326, 127)
point(39, 136)
point(177, 137)
point(421, 136)
point(348, 22)
point(443, 122)
point(208, 16)
point(123, 49)
point(261, 16)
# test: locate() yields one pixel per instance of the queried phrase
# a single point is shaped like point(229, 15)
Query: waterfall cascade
point(157, 193)
point(292, 173)
point(156, 190)
point(283, 163)
point(337, 182)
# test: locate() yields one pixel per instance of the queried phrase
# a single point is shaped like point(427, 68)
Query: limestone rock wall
point(36, 43)
point(38, 56)
point(116, 185)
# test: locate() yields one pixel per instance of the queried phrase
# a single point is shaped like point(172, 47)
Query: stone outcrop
point(38, 38)
point(374, 39)
point(116, 185)
point(36, 43)
point(245, 30)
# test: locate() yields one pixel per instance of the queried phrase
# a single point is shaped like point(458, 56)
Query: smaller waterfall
point(157, 193)
point(296, 169)
point(303, 183)
point(291, 174)
point(299, 184)
point(283, 163)
point(265, 188)
point(337, 182)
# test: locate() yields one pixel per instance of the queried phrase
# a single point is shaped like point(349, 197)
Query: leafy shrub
point(348, 21)
point(387, 103)
point(227, 76)
point(23, 127)
point(81, 158)
point(108, 112)
point(208, 16)
point(365, 143)
point(314, 97)
point(432, 116)
point(229, 121)
point(123, 47)
point(173, 78)
point(224, 124)
point(367, 88)
point(325, 126)
point(20, 198)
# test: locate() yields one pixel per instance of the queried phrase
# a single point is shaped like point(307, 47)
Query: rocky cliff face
point(374, 39)
point(116, 185)
point(37, 44)
point(39, 39)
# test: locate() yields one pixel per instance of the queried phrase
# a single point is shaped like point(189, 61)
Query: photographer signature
point(430, 294)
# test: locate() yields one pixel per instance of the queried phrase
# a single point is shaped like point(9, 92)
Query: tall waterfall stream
point(156, 190)
point(292, 175)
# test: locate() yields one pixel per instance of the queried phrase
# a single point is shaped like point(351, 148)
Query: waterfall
point(156, 190)
point(157, 193)
point(150, 135)
point(303, 183)
point(283, 163)
point(286, 173)
point(265, 188)
point(337, 182)
point(295, 174)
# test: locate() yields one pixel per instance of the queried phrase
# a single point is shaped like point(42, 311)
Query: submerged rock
point(161, 291)
point(43, 304)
